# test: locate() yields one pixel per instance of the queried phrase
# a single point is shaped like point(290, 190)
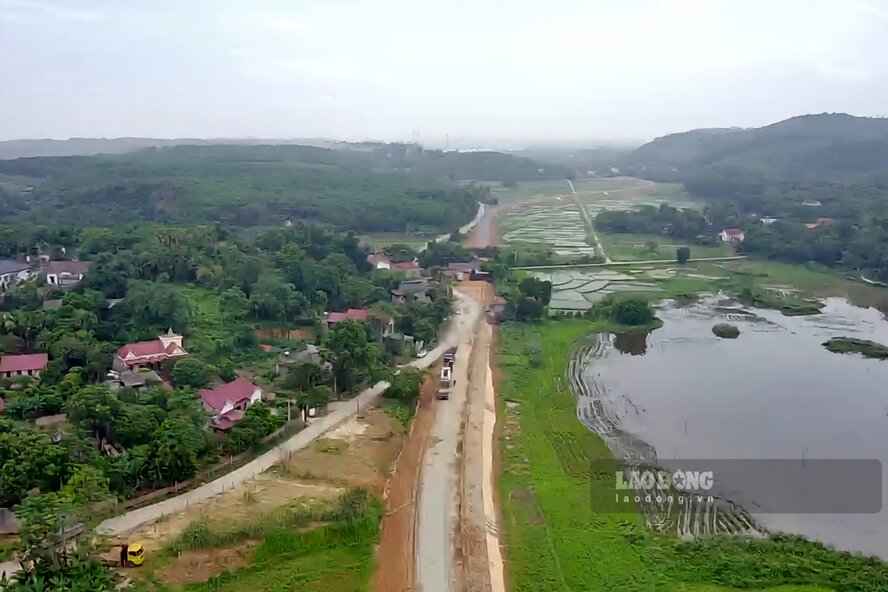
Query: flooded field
point(773, 393)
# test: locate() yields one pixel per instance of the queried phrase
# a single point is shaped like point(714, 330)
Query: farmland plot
point(559, 226)
point(577, 291)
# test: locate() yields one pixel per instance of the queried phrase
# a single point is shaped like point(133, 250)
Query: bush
point(726, 331)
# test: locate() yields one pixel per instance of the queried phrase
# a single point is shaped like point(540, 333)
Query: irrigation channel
point(774, 397)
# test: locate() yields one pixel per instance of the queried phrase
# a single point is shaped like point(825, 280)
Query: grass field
point(381, 241)
point(557, 541)
point(528, 190)
point(633, 247)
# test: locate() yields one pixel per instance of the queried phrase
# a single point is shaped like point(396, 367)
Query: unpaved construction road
point(456, 516)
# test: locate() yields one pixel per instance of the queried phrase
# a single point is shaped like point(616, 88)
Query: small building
point(228, 402)
point(149, 353)
point(409, 268)
point(417, 286)
point(812, 203)
point(23, 365)
point(767, 220)
point(13, 272)
point(310, 355)
point(482, 276)
point(462, 270)
point(732, 235)
point(137, 378)
point(66, 273)
point(355, 314)
point(399, 297)
point(379, 261)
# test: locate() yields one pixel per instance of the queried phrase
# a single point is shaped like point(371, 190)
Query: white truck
point(445, 383)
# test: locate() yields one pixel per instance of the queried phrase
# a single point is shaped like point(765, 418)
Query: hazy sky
point(468, 68)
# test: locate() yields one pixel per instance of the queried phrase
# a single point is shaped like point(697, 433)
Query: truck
point(445, 383)
point(450, 356)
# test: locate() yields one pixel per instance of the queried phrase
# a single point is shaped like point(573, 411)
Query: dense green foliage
point(726, 331)
point(389, 189)
point(852, 345)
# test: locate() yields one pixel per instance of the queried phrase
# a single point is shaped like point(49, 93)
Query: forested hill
point(386, 187)
point(832, 147)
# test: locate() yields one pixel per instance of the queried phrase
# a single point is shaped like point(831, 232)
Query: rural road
point(466, 228)
point(437, 497)
point(588, 220)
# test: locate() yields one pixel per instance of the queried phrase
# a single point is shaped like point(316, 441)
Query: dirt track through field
point(394, 556)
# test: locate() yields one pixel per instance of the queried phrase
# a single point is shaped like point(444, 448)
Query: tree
point(682, 254)
point(177, 443)
point(651, 246)
point(257, 422)
point(633, 312)
point(94, 408)
point(405, 385)
point(191, 372)
point(352, 357)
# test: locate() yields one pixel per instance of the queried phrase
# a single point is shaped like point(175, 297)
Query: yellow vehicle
point(131, 555)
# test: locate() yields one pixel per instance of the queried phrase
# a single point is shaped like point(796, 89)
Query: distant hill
point(833, 146)
point(92, 146)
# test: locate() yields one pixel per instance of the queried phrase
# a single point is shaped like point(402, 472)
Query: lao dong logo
point(648, 479)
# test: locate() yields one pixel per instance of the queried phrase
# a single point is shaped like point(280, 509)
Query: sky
point(441, 69)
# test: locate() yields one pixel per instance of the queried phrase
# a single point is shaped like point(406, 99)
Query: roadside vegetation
point(557, 541)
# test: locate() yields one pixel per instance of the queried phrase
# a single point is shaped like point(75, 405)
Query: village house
point(820, 222)
point(812, 203)
point(13, 272)
point(461, 270)
point(228, 402)
point(149, 353)
point(23, 365)
point(767, 220)
point(732, 235)
point(409, 268)
point(379, 261)
point(310, 355)
point(399, 297)
point(354, 314)
point(66, 273)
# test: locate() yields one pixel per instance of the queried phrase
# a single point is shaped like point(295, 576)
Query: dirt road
point(485, 232)
point(436, 516)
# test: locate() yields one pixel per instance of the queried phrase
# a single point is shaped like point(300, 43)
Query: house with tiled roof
point(66, 273)
point(23, 365)
point(732, 235)
point(227, 403)
point(379, 261)
point(354, 314)
point(152, 353)
point(13, 272)
point(409, 268)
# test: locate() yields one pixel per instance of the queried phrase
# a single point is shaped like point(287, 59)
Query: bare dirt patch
point(478, 290)
point(372, 446)
point(263, 494)
point(394, 556)
point(191, 567)
point(486, 232)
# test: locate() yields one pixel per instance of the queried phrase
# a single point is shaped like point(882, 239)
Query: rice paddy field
point(558, 225)
point(633, 197)
point(634, 247)
point(576, 290)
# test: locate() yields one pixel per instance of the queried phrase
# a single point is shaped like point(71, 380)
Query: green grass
point(383, 240)
point(632, 247)
point(557, 541)
point(528, 190)
point(603, 184)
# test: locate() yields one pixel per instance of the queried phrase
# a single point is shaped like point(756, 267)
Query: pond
point(680, 392)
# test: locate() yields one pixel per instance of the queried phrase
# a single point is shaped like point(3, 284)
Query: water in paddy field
point(680, 392)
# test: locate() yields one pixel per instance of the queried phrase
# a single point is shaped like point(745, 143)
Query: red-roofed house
point(149, 353)
point(731, 235)
point(379, 261)
point(66, 273)
point(23, 365)
point(228, 402)
point(409, 268)
point(355, 314)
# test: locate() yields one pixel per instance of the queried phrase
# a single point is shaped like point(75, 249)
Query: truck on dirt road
point(450, 356)
point(445, 383)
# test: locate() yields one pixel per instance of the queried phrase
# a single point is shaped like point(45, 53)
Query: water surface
point(774, 392)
